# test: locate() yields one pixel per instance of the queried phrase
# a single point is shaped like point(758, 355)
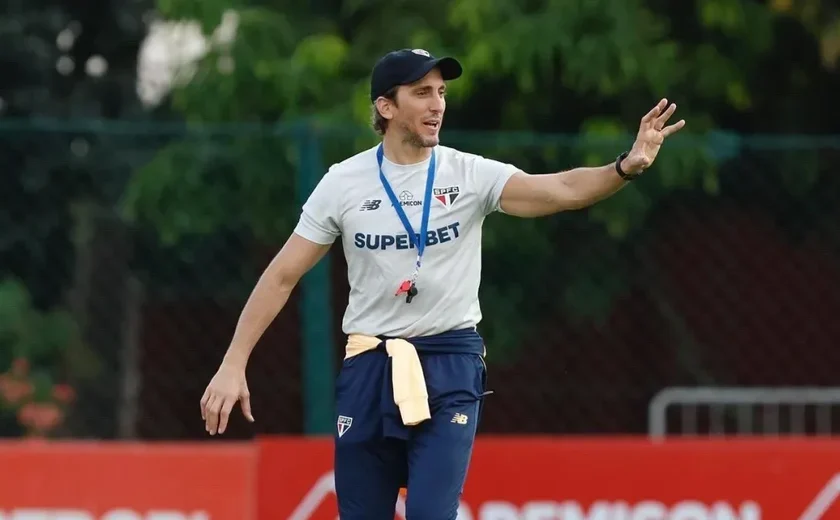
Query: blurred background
point(156, 155)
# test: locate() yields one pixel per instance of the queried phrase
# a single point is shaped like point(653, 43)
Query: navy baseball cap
point(407, 66)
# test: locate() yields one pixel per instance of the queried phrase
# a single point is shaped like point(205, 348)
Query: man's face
point(418, 112)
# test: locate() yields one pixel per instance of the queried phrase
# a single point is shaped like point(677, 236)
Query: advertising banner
point(115, 481)
point(541, 478)
point(511, 478)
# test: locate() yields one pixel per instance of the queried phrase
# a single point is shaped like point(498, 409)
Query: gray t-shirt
point(351, 202)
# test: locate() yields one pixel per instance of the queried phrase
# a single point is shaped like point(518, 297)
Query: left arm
point(539, 195)
point(527, 195)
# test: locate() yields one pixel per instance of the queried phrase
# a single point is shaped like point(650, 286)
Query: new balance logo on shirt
point(370, 205)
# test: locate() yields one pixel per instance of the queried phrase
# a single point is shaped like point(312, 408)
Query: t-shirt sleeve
point(490, 177)
point(319, 219)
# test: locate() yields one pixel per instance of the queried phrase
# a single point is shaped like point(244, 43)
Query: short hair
point(379, 123)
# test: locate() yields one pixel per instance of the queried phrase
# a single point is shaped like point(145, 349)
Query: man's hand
point(652, 133)
point(226, 388)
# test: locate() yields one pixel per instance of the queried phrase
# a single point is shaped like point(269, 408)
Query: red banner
point(96, 481)
point(517, 478)
point(572, 479)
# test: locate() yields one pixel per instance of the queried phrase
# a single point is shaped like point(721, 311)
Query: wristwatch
point(621, 173)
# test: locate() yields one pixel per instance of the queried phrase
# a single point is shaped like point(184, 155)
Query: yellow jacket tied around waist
point(410, 393)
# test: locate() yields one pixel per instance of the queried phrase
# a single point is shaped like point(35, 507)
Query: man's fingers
point(204, 399)
point(224, 415)
point(662, 119)
point(245, 402)
point(213, 408)
point(670, 130)
point(208, 403)
point(654, 111)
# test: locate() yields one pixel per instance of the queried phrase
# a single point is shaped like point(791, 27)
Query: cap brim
point(449, 68)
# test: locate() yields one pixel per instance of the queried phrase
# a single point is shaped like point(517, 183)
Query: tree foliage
point(48, 49)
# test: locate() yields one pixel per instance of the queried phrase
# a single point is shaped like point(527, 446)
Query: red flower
point(26, 414)
point(40, 417)
point(13, 391)
point(64, 393)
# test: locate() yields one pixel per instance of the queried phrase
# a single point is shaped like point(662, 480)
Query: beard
point(416, 140)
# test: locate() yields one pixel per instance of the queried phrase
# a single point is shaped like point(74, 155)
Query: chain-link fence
point(127, 252)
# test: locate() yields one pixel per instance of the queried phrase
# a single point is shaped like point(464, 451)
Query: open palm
point(652, 133)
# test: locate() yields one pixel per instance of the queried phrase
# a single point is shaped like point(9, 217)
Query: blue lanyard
point(417, 241)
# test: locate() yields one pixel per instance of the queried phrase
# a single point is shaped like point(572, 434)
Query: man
point(410, 213)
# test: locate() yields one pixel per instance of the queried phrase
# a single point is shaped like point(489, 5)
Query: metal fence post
point(316, 306)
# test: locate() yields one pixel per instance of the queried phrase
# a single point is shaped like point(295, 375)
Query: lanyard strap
point(417, 241)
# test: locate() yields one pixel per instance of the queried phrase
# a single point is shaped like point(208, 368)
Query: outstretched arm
point(527, 195)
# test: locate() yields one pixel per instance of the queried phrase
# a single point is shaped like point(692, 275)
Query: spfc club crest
point(447, 195)
point(343, 424)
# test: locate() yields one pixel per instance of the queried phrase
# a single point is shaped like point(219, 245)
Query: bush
point(42, 355)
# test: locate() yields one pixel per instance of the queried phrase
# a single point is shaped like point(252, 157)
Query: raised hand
point(652, 133)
